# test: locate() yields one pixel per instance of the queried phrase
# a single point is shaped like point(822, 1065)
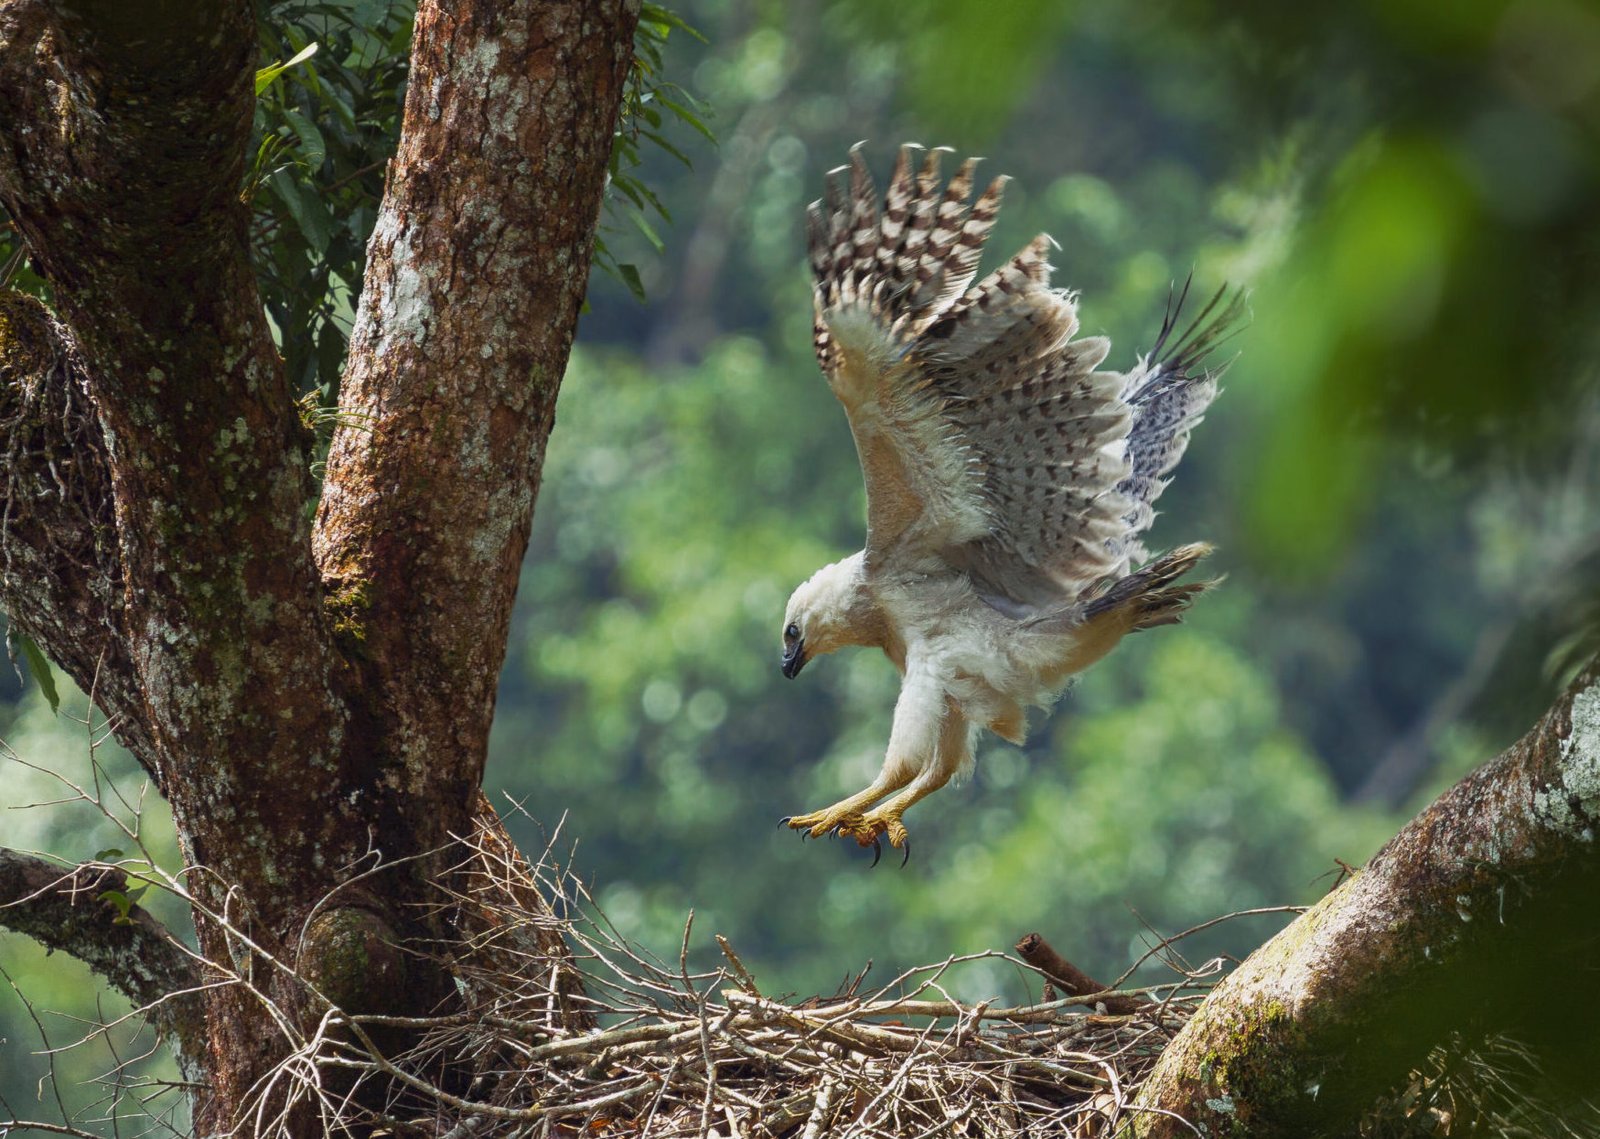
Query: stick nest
point(649, 1047)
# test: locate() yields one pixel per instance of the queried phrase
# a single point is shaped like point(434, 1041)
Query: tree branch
point(1451, 927)
point(60, 568)
point(477, 268)
point(61, 908)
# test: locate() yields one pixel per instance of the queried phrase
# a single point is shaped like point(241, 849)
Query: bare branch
point(1039, 953)
point(62, 907)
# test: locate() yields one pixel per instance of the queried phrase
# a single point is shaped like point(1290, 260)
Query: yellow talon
point(819, 823)
point(846, 820)
point(876, 824)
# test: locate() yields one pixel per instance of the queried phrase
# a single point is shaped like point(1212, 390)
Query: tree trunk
point(314, 702)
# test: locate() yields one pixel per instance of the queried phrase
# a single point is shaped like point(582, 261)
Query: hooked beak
point(794, 659)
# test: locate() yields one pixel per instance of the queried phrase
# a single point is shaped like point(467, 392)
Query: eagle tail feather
point(1149, 595)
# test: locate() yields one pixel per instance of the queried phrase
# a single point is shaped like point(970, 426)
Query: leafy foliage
point(325, 127)
point(327, 121)
point(649, 103)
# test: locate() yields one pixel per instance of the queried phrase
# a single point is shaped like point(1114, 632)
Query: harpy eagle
point(1008, 481)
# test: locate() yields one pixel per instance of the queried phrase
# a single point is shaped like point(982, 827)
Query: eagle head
point(831, 610)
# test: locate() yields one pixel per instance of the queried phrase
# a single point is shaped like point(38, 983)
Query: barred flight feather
point(986, 384)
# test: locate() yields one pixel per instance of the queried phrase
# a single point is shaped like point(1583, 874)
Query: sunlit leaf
point(266, 75)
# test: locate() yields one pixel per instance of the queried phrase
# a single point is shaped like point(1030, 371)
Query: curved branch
point(61, 908)
point(1450, 927)
point(60, 568)
point(476, 271)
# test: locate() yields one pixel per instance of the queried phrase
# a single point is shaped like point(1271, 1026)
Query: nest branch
point(61, 576)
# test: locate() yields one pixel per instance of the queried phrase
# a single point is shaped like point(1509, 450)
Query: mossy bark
point(1452, 928)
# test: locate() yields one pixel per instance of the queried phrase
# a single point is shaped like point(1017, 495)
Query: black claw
point(786, 820)
point(877, 852)
point(907, 857)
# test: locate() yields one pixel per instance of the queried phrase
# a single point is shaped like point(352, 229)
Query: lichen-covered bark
point(1451, 927)
point(62, 908)
point(477, 269)
point(60, 567)
point(123, 157)
point(122, 141)
point(308, 715)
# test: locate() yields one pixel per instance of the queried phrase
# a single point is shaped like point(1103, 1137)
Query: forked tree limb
point(312, 715)
point(122, 150)
point(1449, 929)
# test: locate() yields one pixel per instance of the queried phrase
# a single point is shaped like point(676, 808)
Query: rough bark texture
point(1457, 924)
point(430, 498)
point(62, 908)
point(312, 708)
point(60, 567)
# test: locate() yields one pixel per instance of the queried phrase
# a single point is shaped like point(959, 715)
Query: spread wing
point(1168, 392)
point(987, 439)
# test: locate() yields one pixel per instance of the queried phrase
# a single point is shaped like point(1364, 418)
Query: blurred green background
point(1400, 474)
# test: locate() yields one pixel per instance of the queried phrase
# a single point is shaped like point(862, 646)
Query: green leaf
point(121, 901)
point(687, 115)
point(266, 75)
point(629, 187)
point(20, 643)
point(667, 146)
point(307, 208)
point(650, 234)
point(665, 19)
point(107, 854)
point(312, 147)
point(630, 277)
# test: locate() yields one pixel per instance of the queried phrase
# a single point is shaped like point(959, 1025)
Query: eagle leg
point(927, 745)
point(883, 821)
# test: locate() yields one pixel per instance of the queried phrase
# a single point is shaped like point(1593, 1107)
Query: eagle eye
point(792, 633)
